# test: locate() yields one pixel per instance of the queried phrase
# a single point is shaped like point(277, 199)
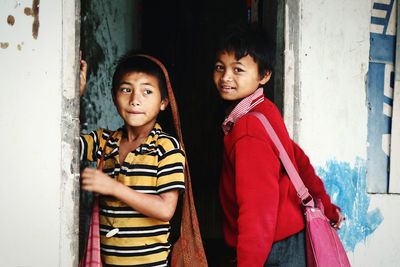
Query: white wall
point(333, 51)
point(32, 192)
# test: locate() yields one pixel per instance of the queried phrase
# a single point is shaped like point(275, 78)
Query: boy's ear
point(265, 78)
point(164, 104)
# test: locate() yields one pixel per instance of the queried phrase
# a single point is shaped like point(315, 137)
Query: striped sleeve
point(89, 145)
point(171, 165)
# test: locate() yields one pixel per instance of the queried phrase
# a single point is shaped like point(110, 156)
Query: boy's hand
point(82, 76)
point(96, 181)
point(338, 224)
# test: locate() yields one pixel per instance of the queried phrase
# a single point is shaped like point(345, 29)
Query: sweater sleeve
point(314, 183)
point(257, 190)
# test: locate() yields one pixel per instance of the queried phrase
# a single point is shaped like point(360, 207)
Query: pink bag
point(323, 246)
point(92, 256)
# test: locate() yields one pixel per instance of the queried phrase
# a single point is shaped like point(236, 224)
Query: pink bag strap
point(302, 191)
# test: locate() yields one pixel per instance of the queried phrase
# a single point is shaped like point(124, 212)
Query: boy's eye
point(147, 92)
point(238, 70)
point(219, 68)
point(125, 90)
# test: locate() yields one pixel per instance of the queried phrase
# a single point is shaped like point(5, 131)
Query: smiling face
point(138, 100)
point(236, 79)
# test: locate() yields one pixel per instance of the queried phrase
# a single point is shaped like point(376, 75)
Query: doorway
point(182, 35)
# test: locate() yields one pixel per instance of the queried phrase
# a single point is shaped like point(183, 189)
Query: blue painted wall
point(346, 184)
point(382, 52)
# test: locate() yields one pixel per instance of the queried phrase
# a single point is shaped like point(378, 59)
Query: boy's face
point(236, 79)
point(138, 99)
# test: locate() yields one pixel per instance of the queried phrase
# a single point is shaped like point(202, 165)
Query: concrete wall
point(327, 113)
point(38, 122)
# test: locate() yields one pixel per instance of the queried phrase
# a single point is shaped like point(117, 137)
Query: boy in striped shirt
point(143, 169)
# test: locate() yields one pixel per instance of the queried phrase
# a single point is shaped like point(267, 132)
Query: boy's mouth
point(135, 112)
point(225, 88)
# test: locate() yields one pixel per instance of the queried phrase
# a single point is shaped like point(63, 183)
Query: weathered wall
point(38, 219)
point(329, 97)
point(109, 30)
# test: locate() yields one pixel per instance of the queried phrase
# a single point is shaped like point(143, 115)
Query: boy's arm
point(170, 179)
point(89, 144)
point(314, 183)
point(161, 207)
point(305, 169)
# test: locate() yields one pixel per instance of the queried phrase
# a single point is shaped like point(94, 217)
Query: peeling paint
point(10, 20)
point(68, 159)
point(4, 45)
point(35, 24)
point(34, 12)
point(28, 11)
point(347, 187)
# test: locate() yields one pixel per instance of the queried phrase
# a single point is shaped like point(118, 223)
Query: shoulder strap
point(302, 191)
point(190, 242)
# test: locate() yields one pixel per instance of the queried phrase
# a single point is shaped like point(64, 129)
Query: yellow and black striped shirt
point(155, 167)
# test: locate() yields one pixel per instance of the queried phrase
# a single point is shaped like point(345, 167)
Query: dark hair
point(243, 40)
point(136, 63)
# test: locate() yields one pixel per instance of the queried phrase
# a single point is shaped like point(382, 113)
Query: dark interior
point(182, 34)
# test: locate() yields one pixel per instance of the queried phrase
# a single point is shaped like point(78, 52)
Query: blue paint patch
point(379, 93)
point(382, 48)
point(347, 187)
point(379, 124)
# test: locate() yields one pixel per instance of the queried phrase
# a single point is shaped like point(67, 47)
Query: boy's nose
point(135, 104)
point(134, 100)
point(226, 76)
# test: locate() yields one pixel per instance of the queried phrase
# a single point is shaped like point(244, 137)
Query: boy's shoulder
point(266, 107)
point(167, 141)
point(250, 125)
point(106, 134)
point(100, 133)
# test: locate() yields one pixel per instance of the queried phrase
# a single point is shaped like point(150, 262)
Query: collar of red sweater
point(242, 108)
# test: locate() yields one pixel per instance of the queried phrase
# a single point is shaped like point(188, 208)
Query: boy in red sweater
point(263, 219)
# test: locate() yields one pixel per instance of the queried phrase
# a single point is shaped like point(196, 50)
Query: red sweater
point(259, 202)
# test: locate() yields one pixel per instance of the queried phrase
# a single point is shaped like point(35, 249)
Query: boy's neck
point(132, 134)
